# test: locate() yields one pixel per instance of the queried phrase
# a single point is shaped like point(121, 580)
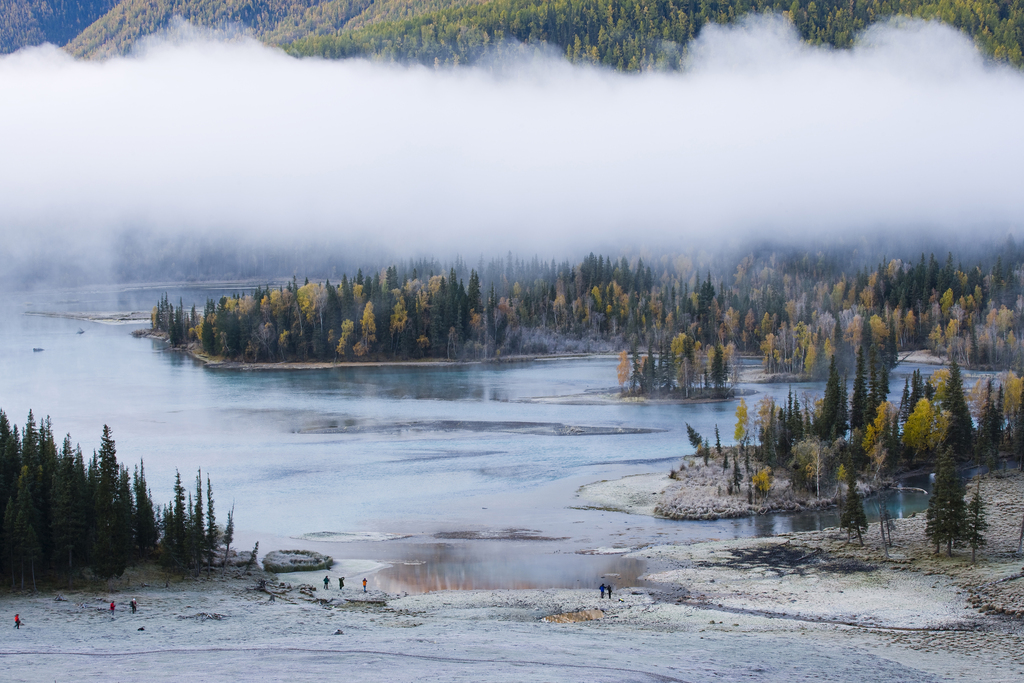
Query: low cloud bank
point(911, 131)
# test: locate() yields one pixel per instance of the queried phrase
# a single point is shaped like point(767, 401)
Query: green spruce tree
point(229, 535)
point(212, 532)
point(108, 553)
point(946, 514)
point(67, 513)
point(145, 526)
point(853, 518)
point(961, 429)
point(977, 524)
point(10, 538)
point(831, 423)
point(25, 537)
point(859, 401)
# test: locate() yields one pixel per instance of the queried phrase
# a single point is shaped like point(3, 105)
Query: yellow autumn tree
point(742, 423)
point(399, 317)
point(925, 428)
point(938, 380)
point(879, 330)
point(946, 302)
point(874, 435)
point(623, 369)
point(678, 345)
point(763, 483)
point(368, 325)
point(811, 360)
point(347, 327)
point(1012, 390)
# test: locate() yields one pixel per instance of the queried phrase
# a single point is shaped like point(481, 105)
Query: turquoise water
point(255, 434)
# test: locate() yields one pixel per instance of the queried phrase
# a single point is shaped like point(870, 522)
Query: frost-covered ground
point(636, 494)
point(448, 636)
point(225, 630)
point(800, 607)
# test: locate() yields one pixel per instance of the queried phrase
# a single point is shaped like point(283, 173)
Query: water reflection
point(432, 567)
point(251, 432)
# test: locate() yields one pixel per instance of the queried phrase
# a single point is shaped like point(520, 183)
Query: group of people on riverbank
point(341, 583)
point(133, 605)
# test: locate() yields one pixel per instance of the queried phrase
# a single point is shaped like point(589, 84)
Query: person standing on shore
point(134, 605)
point(602, 590)
point(341, 583)
point(17, 621)
point(609, 591)
point(364, 585)
point(111, 609)
point(327, 582)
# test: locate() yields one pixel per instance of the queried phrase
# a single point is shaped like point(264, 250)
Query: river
point(359, 452)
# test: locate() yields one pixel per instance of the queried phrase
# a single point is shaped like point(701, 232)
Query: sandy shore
point(922, 357)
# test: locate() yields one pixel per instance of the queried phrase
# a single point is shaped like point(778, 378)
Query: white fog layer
point(761, 135)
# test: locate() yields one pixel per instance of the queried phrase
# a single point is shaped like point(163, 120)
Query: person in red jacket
point(17, 621)
point(111, 608)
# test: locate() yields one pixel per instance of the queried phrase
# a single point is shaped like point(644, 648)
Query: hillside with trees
point(274, 22)
point(630, 36)
point(620, 34)
point(33, 22)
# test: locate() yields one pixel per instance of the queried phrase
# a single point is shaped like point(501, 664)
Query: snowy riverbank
point(799, 607)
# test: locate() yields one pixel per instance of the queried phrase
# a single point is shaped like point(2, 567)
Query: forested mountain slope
point(119, 30)
point(629, 35)
point(275, 22)
point(623, 34)
point(32, 22)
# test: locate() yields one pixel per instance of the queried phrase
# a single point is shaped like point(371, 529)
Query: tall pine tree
point(831, 423)
point(977, 523)
point(68, 514)
point(946, 514)
point(859, 402)
point(109, 553)
point(960, 435)
point(853, 518)
point(145, 519)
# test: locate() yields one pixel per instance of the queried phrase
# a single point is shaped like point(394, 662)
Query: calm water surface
point(256, 435)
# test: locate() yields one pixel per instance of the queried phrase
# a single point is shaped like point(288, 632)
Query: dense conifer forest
point(796, 310)
point(65, 513)
point(634, 36)
point(32, 22)
point(622, 34)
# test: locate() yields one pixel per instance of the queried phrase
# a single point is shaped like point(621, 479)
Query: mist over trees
point(801, 312)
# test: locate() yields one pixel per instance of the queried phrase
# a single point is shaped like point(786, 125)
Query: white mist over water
point(909, 131)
